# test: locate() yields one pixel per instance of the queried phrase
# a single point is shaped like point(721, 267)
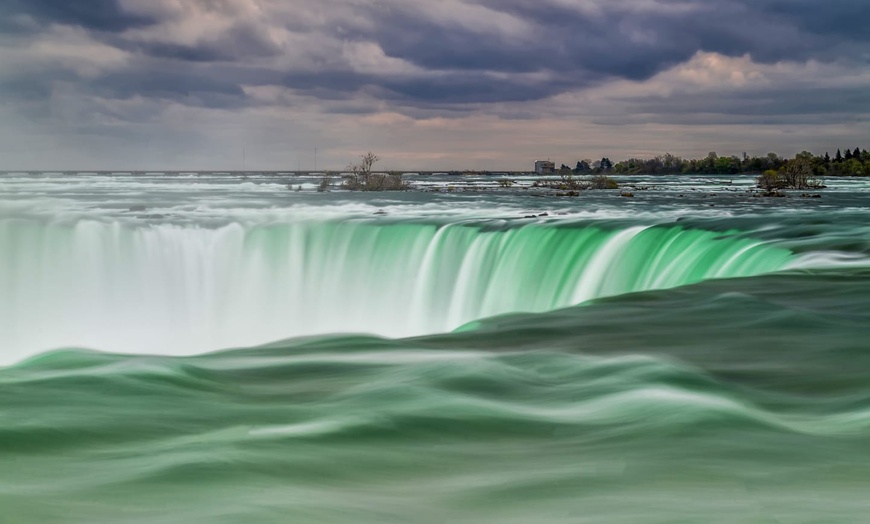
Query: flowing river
point(204, 348)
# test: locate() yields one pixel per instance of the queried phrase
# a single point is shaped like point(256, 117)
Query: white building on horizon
point(545, 167)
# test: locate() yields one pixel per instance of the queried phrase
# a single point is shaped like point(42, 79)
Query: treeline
point(854, 162)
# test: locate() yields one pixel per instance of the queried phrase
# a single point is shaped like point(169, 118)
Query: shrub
point(769, 180)
point(797, 173)
point(602, 182)
point(363, 179)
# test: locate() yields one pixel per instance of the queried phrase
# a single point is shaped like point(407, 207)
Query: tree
point(325, 182)
point(672, 163)
point(773, 161)
point(848, 155)
point(853, 167)
point(722, 165)
point(363, 170)
point(363, 179)
point(838, 157)
point(583, 166)
point(769, 180)
point(798, 172)
point(857, 154)
point(710, 162)
point(566, 178)
point(827, 158)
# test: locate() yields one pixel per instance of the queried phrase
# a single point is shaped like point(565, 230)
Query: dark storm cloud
point(172, 85)
point(186, 53)
point(454, 88)
point(465, 88)
point(563, 47)
point(619, 41)
point(241, 42)
point(99, 15)
point(780, 104)
point(841, 19)
point(25, 89)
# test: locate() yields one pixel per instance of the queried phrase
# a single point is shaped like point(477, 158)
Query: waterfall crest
point(173, 289)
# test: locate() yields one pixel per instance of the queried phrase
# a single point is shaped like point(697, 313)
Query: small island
point(773, 172)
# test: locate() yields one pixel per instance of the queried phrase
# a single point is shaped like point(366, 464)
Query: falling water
point(179, 290)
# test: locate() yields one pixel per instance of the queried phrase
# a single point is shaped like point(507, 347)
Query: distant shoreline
point(337, 173)
point(854, 162)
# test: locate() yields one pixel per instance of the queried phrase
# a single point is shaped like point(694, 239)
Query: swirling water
point(651, 360)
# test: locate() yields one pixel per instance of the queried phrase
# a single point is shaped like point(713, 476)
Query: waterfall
point(174, 289)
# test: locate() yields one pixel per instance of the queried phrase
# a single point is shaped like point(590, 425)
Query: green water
point(179, 290)
point(728, 402)
point(655, 363)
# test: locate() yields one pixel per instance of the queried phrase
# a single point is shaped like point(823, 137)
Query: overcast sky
point(200, 84)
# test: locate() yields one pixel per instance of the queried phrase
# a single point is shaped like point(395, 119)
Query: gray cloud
point(616, 40)
point(508, 59)
point(98, 15)
point(577, 48)
point(239, 43)
point(840, 19)
point(763, 107)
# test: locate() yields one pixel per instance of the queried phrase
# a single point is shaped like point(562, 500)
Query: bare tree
point(363, 170)
point(325, 182)
point(567, 179)
point(363, 178)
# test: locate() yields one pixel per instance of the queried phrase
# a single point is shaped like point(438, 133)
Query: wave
point(387, 393)
point(758, 383)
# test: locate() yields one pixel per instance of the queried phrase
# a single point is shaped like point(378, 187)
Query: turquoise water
point(187, 289)
point(446, 360)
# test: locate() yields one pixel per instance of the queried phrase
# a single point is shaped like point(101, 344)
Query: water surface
point(211, 349)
